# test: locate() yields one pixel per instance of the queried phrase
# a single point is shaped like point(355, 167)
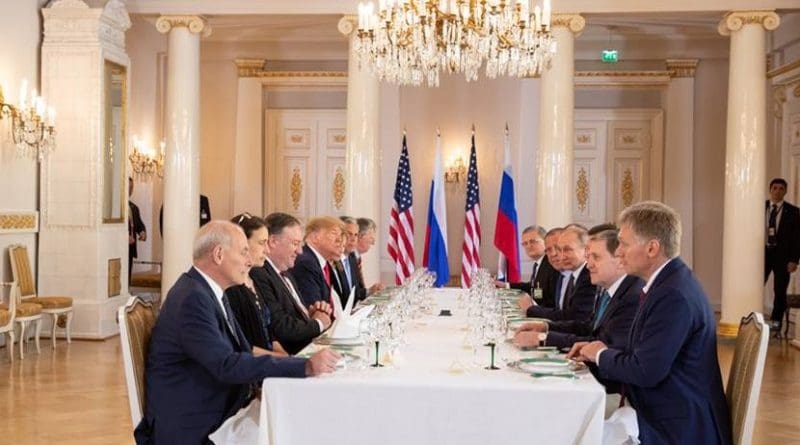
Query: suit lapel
point(230, 329)
point(616, 299)
point(281, 286)
point(672, 266)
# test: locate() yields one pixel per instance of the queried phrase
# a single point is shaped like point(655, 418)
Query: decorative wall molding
point(784, 69)
point(681, 67)
point(575, 22)
point(338, 188)
point(622, 79)
point(19, 221)
point(347, 25)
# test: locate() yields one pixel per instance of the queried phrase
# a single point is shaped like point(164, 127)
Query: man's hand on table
point(322, 362)
point(525, 301)
point(589, 352)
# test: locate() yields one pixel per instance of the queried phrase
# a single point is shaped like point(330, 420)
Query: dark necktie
point(772, 226)
point(360, 272)
point(642, 297)
point(601, 309)
point(229, 319)
point(533, 274)
point(569, 291)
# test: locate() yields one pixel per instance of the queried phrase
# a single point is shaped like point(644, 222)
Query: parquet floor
point(77, 395)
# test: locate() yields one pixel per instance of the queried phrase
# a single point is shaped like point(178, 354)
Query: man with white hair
point(200, 368)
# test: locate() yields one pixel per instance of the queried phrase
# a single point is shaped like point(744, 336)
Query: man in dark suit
point(613, 312)
point(669, 368)
point(199, 367)
point(782, 249)
point(312, 270)
point(205, 214)
point(540, 288)
point(577, 298)
point(136, 229)
point(292, 323)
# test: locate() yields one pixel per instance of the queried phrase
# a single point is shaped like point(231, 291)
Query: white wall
point(20, 40)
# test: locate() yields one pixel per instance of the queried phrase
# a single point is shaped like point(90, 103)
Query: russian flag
point(435, 256)
point(506, 231)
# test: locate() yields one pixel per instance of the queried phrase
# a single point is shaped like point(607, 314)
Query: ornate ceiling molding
point(681, 67)
point(575, 22)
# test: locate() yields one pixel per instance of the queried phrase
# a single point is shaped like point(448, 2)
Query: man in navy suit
point(199, 368)
point(613, 312)
point(782, 249)
point(312, 270)
point(669, 369)
point(577, 293)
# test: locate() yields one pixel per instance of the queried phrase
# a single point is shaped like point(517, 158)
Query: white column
point(554, 185)
point(182, 127)
point(362, 187)
point(745, 167)
point(679, 150)
point(248, 182)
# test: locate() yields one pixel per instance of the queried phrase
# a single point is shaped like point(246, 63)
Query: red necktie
point(327, 272)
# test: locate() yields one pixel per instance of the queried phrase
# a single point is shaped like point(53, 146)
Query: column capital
point(194, 23)
point(348, 25)
point(575, 22)
point(735, 20)
point(681, 67)
point(249, 67)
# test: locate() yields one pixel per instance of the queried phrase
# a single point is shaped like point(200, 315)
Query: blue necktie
point(601, 309)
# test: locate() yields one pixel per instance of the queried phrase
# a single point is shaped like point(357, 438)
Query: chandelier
point(410, 42)
point(145, 162)
point(33, 132)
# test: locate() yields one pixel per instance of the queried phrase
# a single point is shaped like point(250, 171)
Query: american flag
point(401, 224)
point(470, 256)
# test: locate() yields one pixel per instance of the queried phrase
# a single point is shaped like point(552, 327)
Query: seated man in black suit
point(293, 323)
point(613, 311)
point(312, 271)
point(541, 286)
point(577, 300)
point(200, 368)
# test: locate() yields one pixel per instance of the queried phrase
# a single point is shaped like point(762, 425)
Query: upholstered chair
point(7, 316)
point(136, 320)
point(23, 314)
point(58, 307)
point(744, 381)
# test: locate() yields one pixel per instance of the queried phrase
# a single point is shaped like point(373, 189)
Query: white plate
point(544, 365)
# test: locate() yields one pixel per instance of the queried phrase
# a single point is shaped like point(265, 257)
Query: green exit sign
point(610, 56)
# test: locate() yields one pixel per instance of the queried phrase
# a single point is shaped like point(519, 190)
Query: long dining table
point(431, 392)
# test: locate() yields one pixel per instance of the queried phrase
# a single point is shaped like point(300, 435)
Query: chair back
point(136, 320)
point(12, 305)
point(744, 381)
point(21, 270)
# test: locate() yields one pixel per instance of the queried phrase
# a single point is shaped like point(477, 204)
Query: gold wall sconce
point(145, 162)
point(32, 123)
point(456, 171)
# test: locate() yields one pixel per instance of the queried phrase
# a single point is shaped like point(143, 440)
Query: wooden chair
point(136, 320)
point(24, 313)
point(7, 317)
point(56, 306)
point(744, 381)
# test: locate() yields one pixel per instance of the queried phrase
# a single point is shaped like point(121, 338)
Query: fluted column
point(554, 184)
point(182, 155)
point(362, 187)
point(745, 167)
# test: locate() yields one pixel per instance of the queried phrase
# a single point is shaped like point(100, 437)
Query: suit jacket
point(289, 325)
point(614, 326)
point(199, 370)
point(205, 214)
point(577, 306)
point(669, 367)
point(341, 285)
point(787, 238)
point(308, 275)
point(545, 280)
point(135, 227)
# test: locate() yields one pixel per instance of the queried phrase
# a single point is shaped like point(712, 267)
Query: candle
point(537, 17)
point(51, 116)
point(546, 14)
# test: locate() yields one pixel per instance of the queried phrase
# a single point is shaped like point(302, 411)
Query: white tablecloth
point(421, 398)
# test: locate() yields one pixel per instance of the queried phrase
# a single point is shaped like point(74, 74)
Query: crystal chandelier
point(145, 162)
point(410, 42)
point(32, 132)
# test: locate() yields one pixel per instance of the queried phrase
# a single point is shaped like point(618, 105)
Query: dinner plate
point(544, 364)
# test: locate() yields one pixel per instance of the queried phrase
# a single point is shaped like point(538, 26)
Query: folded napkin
point(239, 429)
point(621, 428)
point(347, 322)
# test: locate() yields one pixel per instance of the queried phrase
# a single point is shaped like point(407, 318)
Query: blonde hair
point(655, 220)
point(323, 223)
